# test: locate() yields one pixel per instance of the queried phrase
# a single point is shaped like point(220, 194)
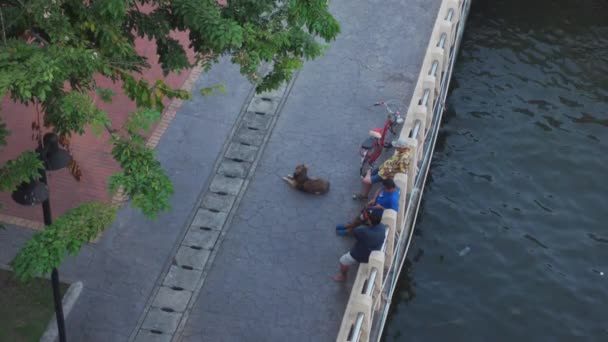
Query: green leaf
point(26, 167)
point(72, 112)
point(141, 120)
point(48, 248)
point(105, 94)
point(213, 89)
point(4, 132)
point(142, 177)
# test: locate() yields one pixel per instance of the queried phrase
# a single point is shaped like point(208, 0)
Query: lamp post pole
point(36, 191)
point(46, 212)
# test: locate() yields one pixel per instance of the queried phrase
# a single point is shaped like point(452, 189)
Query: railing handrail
point(436, 111)
point(354, 327)
point(356, 333)
point(416, 129)
point(369, 285)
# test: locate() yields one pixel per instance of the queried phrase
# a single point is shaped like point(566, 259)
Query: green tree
point(51, 50)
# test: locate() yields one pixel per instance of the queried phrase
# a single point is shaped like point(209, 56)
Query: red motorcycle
point(371, 148)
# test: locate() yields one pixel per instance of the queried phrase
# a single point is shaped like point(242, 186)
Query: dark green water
point(520, 177)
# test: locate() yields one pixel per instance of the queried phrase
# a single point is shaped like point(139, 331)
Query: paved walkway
point(269, 280)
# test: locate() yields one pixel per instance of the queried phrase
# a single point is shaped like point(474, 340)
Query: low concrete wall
point(374, 284)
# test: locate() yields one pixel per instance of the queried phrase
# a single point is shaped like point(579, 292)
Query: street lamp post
point(32, 193)
point(46, 213)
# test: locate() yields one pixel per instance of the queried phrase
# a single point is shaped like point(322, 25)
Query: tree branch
point(110, 130)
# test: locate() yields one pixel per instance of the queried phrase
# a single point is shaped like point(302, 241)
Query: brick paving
point(90, 151)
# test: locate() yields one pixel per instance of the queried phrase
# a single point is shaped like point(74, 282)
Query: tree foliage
point(51, 52)
point(66, 235)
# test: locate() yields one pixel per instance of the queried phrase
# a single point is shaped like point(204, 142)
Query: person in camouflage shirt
point(398, 163)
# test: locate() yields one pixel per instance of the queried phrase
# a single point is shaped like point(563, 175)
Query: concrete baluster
point(389, 218)
point(363, 303)
point(378, 261)
point(419, 115)
point(456, 5)
point(415, 109)
point(447, 28)
point(424, 105)
point(401, 181)
point(438, 57)
point(430, 84)
point(411, 173)
point(357, 303)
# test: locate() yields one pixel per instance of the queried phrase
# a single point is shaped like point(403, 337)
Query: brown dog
point(302, 182)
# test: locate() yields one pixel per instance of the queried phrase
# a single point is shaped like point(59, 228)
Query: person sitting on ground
point(398, 163)
point(386, 197)
point(368, 239)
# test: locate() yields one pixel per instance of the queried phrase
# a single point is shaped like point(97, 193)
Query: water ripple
point(597, 238)
point(518, 176)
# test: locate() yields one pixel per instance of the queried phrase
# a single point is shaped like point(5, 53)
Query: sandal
point(341, 230)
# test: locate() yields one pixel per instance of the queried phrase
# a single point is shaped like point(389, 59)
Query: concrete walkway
point(270, 279)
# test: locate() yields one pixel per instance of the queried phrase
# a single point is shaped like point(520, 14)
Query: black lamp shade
point(56, 158)
point(31, 193)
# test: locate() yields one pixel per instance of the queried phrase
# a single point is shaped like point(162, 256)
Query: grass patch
point(25, 309)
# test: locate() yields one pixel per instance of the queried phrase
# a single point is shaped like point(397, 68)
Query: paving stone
point(209, 219)
point(201, 238)
point(165, 322)
point(188, 256)
point(261, 104)
point(186, 279)
point(249, 135)
point(227, 185)
point(242, 152)
point(259, 121)
point(218, 202)
point(170, 298)
point(233, 168)
point(148, 336)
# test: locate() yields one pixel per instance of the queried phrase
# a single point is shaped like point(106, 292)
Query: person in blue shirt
point(368, 239)
point(386, 197)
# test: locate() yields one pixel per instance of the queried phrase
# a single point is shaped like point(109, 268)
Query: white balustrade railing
point(370, 298)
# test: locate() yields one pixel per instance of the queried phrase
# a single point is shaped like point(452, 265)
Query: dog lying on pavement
point(300, 180)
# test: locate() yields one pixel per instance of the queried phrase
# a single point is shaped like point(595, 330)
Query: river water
point(512, 237)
